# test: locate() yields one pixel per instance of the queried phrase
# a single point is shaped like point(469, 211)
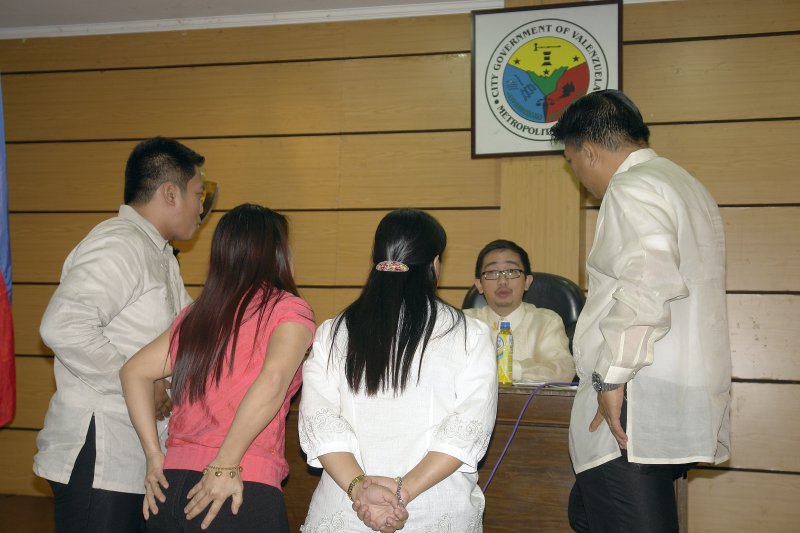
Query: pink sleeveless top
point(196, 430)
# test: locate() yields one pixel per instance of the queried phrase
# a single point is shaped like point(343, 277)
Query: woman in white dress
point(399, 397)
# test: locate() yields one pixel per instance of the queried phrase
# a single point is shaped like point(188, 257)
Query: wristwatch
point(600, 386)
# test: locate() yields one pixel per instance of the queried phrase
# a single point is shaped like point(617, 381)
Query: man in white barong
point(651, 345)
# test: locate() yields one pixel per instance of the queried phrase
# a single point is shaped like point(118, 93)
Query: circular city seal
point(537, 70)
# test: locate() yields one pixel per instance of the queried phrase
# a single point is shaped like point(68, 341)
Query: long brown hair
point(250, 261)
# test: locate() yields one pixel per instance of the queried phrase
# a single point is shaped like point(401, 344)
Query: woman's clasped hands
point(376, 503)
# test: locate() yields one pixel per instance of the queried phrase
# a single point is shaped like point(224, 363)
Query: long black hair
point(250, 259)
point(396, 311)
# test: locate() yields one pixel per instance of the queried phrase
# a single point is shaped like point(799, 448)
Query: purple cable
point(514, 431)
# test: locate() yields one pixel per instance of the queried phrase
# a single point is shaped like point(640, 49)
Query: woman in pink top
point(234, 357)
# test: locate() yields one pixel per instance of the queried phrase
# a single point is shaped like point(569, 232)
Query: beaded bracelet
point(399, 481)
point(353, 485)
point(218, 470)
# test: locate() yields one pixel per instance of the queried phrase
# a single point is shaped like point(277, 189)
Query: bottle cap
point(505, 325)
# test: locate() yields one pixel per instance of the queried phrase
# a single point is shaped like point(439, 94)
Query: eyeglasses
point(208, 198)
point(511, 273)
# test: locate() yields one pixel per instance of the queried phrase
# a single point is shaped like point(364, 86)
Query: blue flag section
point(8, 392)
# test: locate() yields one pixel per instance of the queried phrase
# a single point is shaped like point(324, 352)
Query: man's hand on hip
point(609, 407)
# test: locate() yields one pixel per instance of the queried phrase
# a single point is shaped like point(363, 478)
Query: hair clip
point(391, 266)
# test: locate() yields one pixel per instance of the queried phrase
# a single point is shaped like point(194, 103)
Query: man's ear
point(528, 281)
point(478, 286)
point(592, 152)
point(169, 192)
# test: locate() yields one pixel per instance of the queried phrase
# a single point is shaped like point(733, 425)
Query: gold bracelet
point(353, 485)
point(218, 470)
point(399, 481)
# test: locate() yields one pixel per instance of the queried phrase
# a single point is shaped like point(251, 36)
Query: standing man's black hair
point(156, 161)
point(606, 118)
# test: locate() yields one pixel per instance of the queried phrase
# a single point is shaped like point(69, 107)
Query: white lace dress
point(450, 410)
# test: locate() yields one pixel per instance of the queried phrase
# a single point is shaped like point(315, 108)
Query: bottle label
point(505, 347)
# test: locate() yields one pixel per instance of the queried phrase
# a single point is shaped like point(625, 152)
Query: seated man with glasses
point(541, 347)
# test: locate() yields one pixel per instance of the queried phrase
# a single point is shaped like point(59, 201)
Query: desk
point(531, 487)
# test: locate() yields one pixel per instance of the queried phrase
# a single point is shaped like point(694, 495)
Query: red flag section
point(8, 392)
point(8, 374)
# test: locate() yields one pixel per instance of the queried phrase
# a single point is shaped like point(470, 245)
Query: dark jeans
point(263, 509)
point(81, 509)
point(621, 497)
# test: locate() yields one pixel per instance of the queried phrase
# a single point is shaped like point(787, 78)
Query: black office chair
point(550, 291)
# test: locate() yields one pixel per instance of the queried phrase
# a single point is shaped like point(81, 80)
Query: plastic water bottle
point(505, 353)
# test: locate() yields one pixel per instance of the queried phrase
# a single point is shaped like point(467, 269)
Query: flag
point(8, 380)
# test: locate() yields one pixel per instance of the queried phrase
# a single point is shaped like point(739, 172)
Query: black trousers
point(81, 509)
point(624, 497)
point(621, 497)
point(263, 509)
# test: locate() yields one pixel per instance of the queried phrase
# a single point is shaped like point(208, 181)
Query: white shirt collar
point(635, 158)
point(129, 213)
point(514, 317)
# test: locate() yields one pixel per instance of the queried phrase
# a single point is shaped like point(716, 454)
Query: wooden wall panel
point(406, 93)
point(725, 501)
point(29, 304)
point(417, 170)
point(742, 163)
point(661, 20)
point(334, 248)
point(696, 18)
point(467, 232)
point(268, 99)
point(670, 82)
point(66, 177)
point(454, 297)
point(764, 426)
point(17, 449)
point(194, 290)
point(702, 18)
point(224, 100)
point(541, 212)
point(40, 243)
point(728, 79)
point(327, 302)
point(35, 386)
point(279, 172)
point(765, 340)
point(422, 170)
point(326, 172)
point(763, 246)
point(351, 171)
point(413, 35)
point(329, 248)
